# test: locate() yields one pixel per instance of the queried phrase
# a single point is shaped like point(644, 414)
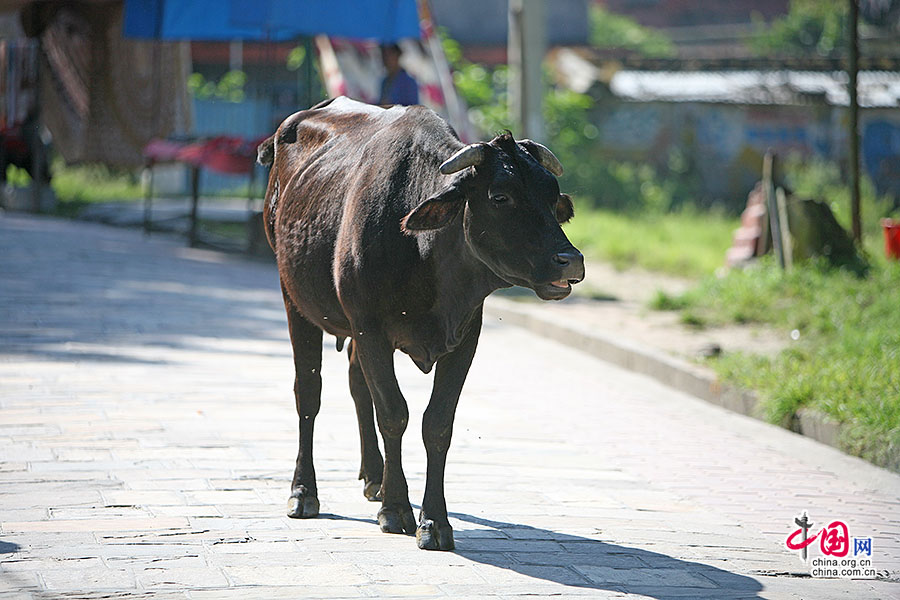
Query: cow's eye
point(499, 199)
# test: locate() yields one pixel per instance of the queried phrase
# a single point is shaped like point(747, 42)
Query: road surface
point(147, 439)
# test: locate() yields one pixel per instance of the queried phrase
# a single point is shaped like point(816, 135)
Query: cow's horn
point(547, 159)
point(471, 155)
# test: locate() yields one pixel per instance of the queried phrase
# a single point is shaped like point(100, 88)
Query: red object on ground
point(222, 154)
point(891, 238)
point(162, 150)
point(229, 155)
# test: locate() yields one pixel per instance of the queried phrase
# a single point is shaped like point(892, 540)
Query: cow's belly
point(305, 267)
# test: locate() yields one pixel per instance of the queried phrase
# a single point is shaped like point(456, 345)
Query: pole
point(38, 154)
point(195, 202)
point(527, 45)
point(308, 51)
point(854, 123)
point(772, 205)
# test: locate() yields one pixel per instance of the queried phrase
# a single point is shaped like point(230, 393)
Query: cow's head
point(511, 209)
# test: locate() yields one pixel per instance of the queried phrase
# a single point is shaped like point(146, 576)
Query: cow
point(390, 232)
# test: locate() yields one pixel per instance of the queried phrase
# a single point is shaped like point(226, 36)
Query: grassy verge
point(77, 186)
point(685, 243)
point(845, 361)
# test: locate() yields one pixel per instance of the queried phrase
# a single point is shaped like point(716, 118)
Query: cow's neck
point(463, 280)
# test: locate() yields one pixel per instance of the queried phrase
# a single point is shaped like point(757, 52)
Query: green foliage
point(230, 87)
point(811, 27)
point(571, 135)
point(609, 30)
point(823, 180)
point(845, 361)
point(17, 176)
point(93, 183)
point(682, 243)
point(296, 57)
point(819, 179)
point(665, 301)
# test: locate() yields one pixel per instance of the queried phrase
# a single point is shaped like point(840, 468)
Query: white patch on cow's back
point(342, 104)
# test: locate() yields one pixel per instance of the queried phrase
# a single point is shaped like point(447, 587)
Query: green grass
point(845, 362)
point(94, 183)
point(685, 243)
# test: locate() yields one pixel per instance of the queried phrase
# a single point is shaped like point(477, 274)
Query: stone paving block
point(97, 512)
point(143, 497)
point(403, 591)
point(156, 563)
point(93, 525)
point(409, 557)
point(28, 562)
point(43, 496)
point(274, 559)
point(416, 574)
point(197, 510)
point(500, 545)
point(224, 497)
point(670, 578)
point(886, 590)
point(115, 551)
point(88, 580)
point(279, 592)
point(178, 485)
point(181, 577)
point(306, 575)
point(250, 547)
point(536, 589)
point(518, 573)
point(599, 559)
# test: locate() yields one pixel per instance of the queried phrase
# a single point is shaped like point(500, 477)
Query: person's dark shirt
point(399, 89)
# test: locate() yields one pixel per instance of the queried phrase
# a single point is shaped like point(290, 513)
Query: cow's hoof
point(302, 505)
point(396, 519)
point(431, 536)
point(372, 491)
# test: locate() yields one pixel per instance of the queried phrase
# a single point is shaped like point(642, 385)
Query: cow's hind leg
point(306, 340)
point(376, 359)
point(434, 531)
point(372, 467)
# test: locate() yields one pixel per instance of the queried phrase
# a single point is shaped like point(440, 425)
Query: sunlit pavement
point(147, 438)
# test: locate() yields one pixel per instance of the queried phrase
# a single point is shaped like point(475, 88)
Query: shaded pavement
point(147, 438)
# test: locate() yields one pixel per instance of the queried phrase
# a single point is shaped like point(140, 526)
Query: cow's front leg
point(434, 531)
point(376, 358)
point(306, 340)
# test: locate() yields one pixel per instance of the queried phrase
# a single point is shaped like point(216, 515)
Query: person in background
point(397, 87)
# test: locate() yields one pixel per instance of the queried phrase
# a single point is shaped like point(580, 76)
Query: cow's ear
point(435, 212)
point(564, 208)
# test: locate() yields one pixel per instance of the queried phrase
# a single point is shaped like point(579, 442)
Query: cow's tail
point(265, 152)
point(265, 155)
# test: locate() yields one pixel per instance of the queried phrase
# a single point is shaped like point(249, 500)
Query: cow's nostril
point(562, 259)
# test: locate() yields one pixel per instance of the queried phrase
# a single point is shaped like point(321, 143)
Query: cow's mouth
point(555, 290)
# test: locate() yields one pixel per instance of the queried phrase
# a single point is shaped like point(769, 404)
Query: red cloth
point(223, 154)
point(162, 150)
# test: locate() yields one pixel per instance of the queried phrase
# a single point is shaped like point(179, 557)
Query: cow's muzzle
point(569, 270)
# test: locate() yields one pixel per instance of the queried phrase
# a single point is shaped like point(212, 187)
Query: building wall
point(483, 22)
point(681, 13)
point(725, 143)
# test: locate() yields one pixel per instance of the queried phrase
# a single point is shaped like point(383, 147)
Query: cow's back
point(343, 176)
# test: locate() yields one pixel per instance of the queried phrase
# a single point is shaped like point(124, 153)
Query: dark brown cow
point(390, 232)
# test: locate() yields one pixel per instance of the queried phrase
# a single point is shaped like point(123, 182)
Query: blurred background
point(695, 135)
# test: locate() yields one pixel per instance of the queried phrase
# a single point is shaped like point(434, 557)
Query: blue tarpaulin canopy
point(383, 20)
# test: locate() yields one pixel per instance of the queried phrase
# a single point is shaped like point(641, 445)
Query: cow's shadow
point(586, 563)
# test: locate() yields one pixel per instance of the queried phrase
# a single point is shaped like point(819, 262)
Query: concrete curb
point(676, 373)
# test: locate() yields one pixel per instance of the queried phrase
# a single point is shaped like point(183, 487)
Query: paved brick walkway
point(147, 438)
